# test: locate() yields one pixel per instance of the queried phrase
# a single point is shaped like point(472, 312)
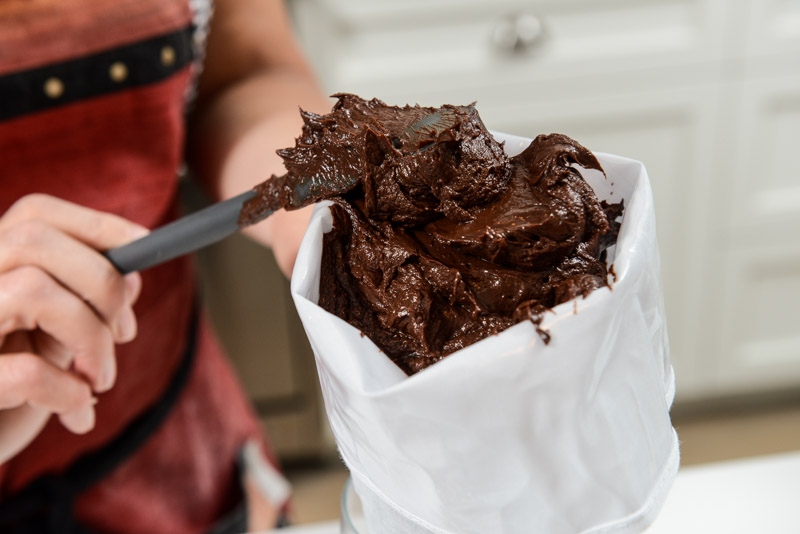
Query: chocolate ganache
point(439, 238)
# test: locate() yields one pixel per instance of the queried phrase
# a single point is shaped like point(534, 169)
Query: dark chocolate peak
point(439, 238)
point(411, 164)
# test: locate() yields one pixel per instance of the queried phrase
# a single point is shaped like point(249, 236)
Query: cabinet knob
point(518, 33)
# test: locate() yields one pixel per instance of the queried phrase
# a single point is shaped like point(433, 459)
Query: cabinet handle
point(518, 33)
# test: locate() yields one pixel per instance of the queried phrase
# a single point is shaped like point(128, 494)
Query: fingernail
point(126, 326)
point(137, 232)
point(79, 421)
point(133, 286)
point(108, 375)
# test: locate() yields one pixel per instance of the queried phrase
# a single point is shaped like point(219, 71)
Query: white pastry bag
point(509, 435)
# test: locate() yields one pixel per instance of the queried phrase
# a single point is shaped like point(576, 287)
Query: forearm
point(234, 138)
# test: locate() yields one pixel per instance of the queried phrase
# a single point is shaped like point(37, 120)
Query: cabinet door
point(759, 345)
point(771, 35)
point(383, 48)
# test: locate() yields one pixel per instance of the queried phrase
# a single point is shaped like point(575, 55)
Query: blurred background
point(705, 92)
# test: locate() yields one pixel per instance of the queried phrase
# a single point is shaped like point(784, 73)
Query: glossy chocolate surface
point(439, 238)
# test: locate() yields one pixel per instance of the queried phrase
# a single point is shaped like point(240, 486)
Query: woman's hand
point(63, 307)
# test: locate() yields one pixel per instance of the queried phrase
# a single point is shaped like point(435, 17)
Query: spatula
point(214, 223)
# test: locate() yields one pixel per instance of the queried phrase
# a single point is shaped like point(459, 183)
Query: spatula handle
point(180, 237)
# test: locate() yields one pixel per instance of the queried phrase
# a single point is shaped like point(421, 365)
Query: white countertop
point(750, 496)
point(328, 527)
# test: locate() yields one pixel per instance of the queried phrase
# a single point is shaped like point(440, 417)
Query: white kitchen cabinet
point(705, 92)
point(416, 50)
point(760, 262)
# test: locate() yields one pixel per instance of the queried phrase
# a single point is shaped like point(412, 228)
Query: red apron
point(99, 120)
